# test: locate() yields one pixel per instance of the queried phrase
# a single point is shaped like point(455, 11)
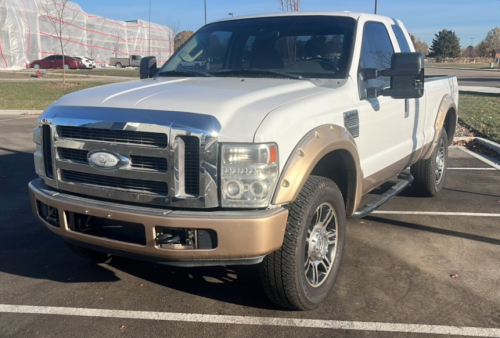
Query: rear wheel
point(302, 273)
point(36, 66)
point(66, 66)
point(93, 255)
point(430, 174)
point(118, 65)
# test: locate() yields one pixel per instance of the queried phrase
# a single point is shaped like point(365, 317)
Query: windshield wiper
point(183, 73)
point(237, 72)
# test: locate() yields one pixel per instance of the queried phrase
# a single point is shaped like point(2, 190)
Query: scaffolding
point(27, 33)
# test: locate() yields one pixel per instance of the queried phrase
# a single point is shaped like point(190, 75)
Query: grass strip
point(36, 95)
point(481, 112)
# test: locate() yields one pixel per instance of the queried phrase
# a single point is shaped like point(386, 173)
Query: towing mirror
point(148, 67)
point(407, 77)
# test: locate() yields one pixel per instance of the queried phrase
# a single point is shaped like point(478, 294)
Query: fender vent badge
point(351, 122)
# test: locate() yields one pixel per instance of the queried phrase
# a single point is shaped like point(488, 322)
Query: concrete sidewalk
point(482, 90)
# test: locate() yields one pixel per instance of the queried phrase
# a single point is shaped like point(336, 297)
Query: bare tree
point(290, 5)
point(181, 38)
point(174, 29)
point(56, 14)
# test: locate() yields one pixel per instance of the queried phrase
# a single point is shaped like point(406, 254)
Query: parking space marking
point(472, 169)
point(435, 213)
point(257, 321)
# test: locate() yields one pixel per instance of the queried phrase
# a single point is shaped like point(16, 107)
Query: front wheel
point(430, 174)
point(66, 66)
point(302, 273)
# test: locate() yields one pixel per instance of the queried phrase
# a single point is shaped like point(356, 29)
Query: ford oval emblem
point(104, 159)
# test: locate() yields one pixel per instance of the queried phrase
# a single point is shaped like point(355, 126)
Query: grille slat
point(115, 136)
point(125, 184)
point(191, 164)
point(149, 163)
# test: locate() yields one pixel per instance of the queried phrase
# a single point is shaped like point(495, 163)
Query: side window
point(49, 58)
point(376, 51)
point(403, 43)
point(58, 57)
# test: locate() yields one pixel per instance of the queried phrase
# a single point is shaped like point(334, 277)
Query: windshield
point(278, 47)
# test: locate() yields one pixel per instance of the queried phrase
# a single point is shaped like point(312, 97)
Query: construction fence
point(30, 30)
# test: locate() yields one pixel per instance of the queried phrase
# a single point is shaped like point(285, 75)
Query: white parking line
point(435, 213)
point(258, 321)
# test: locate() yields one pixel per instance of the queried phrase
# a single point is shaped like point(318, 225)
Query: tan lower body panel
point(247, 235)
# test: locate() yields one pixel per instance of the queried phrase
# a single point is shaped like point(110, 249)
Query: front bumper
point(242, 236)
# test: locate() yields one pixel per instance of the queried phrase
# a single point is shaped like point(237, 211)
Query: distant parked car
point(55, 61)
point(87, 62)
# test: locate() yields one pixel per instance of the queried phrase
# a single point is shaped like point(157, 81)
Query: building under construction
point(27, 33)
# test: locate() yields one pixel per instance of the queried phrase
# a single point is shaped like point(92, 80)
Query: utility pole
point(471, 39)
point(205, 12)
point(376, 6)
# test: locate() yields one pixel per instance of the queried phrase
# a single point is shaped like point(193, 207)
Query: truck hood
point(239, 104)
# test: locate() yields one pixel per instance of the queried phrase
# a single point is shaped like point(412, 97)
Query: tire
point(118, 65)
point(430, 174)
point(93, 255)
point(316, 218)
point(36, 66)
point(66, 66)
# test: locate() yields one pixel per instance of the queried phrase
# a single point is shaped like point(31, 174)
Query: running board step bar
point(404, 180)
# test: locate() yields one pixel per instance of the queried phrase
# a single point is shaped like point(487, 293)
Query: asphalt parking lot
point(395, 279)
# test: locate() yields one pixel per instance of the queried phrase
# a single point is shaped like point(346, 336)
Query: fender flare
point(309, 151)
point(447, 104)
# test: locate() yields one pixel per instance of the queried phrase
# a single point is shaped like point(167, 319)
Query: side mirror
point(148, 67)
point(407, 77)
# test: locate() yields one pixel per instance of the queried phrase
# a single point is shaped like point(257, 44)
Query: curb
point(21, 112)
point(458, 68)
point(490, 144)
point(493, 162)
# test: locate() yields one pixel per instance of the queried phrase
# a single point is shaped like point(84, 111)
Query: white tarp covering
point(27, 33)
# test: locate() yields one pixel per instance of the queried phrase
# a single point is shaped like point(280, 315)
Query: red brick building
point(496, 54)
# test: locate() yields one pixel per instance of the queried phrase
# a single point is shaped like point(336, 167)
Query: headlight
point(248, 174)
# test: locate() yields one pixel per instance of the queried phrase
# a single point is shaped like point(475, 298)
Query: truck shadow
point(28, 249)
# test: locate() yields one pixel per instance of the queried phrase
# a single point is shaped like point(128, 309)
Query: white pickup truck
point(258, 157)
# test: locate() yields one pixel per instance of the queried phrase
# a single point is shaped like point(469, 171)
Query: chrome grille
point(148, 170)
point(191, 164)
point(132, 185)
point(118, 136)
point(136, 162)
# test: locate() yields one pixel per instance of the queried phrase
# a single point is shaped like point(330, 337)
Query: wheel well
point(339, 166)
point(450, 124)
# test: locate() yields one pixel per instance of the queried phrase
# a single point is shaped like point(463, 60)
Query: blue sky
point(424, 18)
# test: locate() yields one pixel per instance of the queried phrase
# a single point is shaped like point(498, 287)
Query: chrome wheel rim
point(440, 161)
point(321, 245)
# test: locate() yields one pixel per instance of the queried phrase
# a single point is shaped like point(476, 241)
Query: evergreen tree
point(446, 44)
